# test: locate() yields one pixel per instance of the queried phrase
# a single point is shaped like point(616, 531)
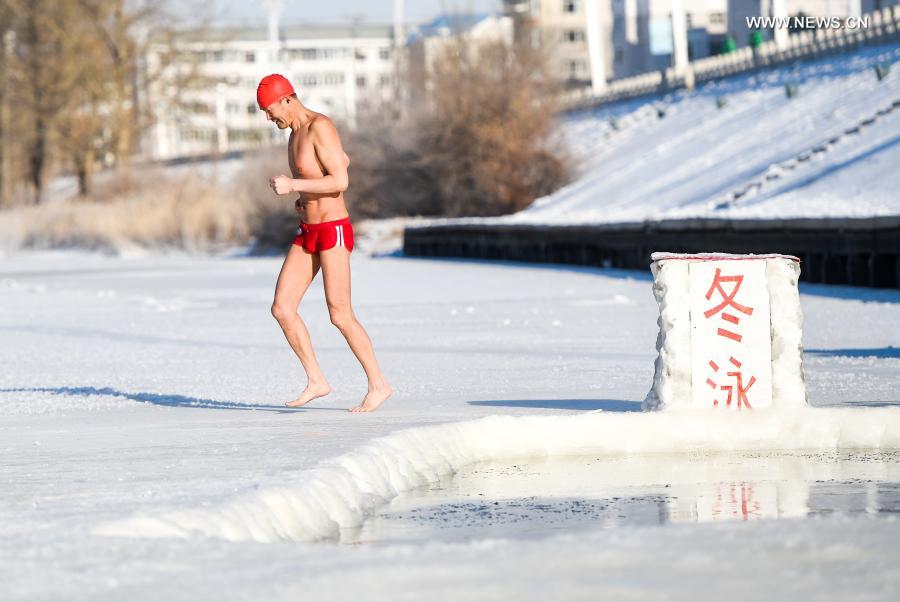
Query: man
point(324, 239)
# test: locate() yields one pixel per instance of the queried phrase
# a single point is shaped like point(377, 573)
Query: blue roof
point(453, 22)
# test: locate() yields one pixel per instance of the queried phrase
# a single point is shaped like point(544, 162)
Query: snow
point(141, 398)
point(339, 494)
point(761, 156)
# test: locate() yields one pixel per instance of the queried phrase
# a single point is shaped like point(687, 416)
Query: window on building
point(577, 67)
point(308, 80)
point(333, 79)
point(688, 20)
point(251, 109)
point(570, 6)
point(717, 18)
point(359, 54)
point(233, 107)
point(246, 135)
point(250, 57)
point(198, 134)
point(332, 53)
point(384, 81)
point(574, 35)
point(200, 108)
point(384, 53)
point(360, 81)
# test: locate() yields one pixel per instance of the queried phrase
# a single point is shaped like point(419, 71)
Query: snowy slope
point(762, 155)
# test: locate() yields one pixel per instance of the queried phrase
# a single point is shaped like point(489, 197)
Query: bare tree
point(73, 75)
point(486, 131)
point(114, 30)
point(7, 40)
point(477, 140)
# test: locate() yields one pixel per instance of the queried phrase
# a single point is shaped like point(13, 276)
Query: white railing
point(884, 25)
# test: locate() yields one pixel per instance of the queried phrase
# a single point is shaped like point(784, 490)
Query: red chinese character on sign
point(749, 506)
point(728, 301)
point(742, 399)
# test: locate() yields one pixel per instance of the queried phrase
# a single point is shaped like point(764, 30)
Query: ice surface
point(113, 410)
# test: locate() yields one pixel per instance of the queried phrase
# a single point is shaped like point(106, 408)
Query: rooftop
point(446, 24)
point(310, 31)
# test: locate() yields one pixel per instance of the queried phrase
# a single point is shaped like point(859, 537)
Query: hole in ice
point(544, 497)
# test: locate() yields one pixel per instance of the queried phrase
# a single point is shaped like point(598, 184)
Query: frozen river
point(144, 386)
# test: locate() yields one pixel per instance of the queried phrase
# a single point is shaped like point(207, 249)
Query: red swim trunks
point(315, 238)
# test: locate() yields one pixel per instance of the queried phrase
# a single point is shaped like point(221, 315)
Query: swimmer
point(324, 239)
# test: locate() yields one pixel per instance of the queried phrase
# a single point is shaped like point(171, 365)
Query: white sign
point(730, 339)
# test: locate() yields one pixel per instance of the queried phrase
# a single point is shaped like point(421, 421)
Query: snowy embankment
point(340, 493)
point(831, 151)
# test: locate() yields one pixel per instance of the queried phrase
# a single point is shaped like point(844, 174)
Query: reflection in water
point(545, 496)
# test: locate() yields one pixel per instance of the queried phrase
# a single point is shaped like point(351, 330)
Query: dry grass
point(162, 212)
point(157, 208)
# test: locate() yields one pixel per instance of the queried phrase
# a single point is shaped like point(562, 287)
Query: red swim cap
point(271, 89)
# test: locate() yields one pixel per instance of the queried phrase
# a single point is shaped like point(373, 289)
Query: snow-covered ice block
point(729, 332)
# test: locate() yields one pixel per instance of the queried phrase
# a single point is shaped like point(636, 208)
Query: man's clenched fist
point(282, 184)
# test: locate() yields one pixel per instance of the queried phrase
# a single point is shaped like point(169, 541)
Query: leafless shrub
point(485, 137)
point(479, 142)
point(388, 176)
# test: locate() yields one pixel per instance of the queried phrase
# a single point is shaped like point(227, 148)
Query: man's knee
point(340, 315)
point(282, 312)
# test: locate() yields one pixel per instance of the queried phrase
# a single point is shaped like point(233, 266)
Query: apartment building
point(635, 35)
point(561, 26)
point(344, 71)
point(642, 34)
point(427, 41)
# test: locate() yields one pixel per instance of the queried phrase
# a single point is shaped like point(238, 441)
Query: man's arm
point(327, 144)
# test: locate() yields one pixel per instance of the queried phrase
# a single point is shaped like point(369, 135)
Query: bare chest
point(302, 158)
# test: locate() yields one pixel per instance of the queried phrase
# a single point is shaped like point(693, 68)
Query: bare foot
point(374, 399)
point(309, 393)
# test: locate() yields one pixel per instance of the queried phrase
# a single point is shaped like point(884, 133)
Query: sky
point(378, 11)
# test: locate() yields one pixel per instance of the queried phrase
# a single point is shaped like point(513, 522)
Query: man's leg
point(297, 273)
point(336, 274)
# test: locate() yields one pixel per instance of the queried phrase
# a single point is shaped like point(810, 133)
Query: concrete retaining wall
point(860, 252)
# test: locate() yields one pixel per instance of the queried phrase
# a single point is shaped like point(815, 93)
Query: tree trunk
point(84, 166)
point(3, 175)
point(38, 159)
